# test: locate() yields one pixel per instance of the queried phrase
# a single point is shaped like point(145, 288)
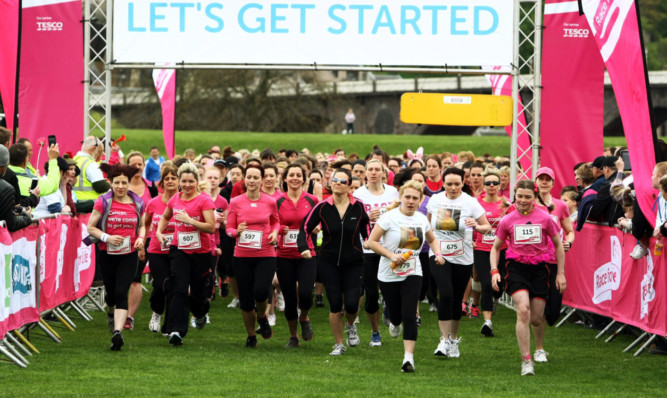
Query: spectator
point(18, 160)
point(586, 195)
point(153, 163)
point(57, 201)
point(604, 206)
point(596, 167)
point(28, 144)
point(91, 183)
point(10, 176)
point(350, 118)
point(7, 213)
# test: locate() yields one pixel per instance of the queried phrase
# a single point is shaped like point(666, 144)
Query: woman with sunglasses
point(343, 222)
point(495, 207)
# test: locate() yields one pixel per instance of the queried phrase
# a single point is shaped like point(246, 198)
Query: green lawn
point(214, 362)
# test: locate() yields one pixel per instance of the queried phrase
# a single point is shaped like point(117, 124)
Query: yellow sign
point(456, 109)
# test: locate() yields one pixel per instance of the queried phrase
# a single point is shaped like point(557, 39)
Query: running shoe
point(443, 348)
point(193, 322)
point(408, 367)
point(129, 323)
point(419, 320)
point(385, 317)
point(352, 335)
point(474, 311)
point(338, 350)
point(376, 339)
point(117, 341)
point(224, 290)
point(306, 330)
point(527, 368)
point(487, 328)
point(175, 339)
point(540, 356)
point(464, 309)
point(319, 302)
point(293, 343)
point(154, 324)
point(395, 330)
point(638, 252)
point(234, 304)
point(200, 322)
point(251, 342)
point(264, 328)
point(272, 319)
point(280, 302)
point(454, 348)
point(432, 308)
point(110, 322)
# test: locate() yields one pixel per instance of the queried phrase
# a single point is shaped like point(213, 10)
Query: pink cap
point(545, 170)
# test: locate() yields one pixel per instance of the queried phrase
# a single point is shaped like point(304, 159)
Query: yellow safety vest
point(84, 188)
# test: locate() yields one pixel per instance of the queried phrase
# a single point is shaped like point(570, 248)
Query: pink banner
point(572, 92)
point(502, 85)
point(9, 35)
point(616, 30)
point(165, 85)
point(51, 75)
point(602, 278)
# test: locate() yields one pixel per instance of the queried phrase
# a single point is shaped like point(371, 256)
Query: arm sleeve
point(50, 183)
point(275, 218)
point(14, 222)
point(307, 226)
point(365, 224)
point(231, 221)
point(601, 202)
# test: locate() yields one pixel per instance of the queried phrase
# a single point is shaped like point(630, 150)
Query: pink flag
point(51, 76)
point(572, 92)
point(502, 85)
point(9, 36)
point(165, 85)
point(614, 25)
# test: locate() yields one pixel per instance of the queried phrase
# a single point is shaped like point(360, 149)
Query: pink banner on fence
point(602, 278)
point(9, 36)
point(165, 85)
point(502, 85)
point(572, 92)
point(616, 30)
point(51, 76)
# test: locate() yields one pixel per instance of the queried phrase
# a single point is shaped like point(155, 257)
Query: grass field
point(201, 141)
point(214, 362)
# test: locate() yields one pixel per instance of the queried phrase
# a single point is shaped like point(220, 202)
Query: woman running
point(376, 197)
point(527, 233)
point(189, 253)
point(117, 222)
point(454, 215)
point(252, 218)
point(158, 255)
point(295, 273)
point(228, 244)
point(344, 222)
point(270, 188)
point(403, 232)
point(433, 175)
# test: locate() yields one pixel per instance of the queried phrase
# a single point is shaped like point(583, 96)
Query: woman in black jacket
point(343, 223)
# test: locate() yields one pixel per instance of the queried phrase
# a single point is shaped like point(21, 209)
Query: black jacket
point(341, 240)
point(7, 204)
point(604, 205)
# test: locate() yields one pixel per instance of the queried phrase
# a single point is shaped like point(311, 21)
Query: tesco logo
point(568, 32)
point(49, 26)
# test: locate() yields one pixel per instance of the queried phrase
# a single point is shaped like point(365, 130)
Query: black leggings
point(117, 274)
point(342, 283)
point(225, 267)
point(371, 264)
point(293, 274)
point(159, 265)
point(428, 288)
point(483, 268)
point(555, 299)
point(402, 299)
point(452, 281)
point(187, 270)
point(254, 276)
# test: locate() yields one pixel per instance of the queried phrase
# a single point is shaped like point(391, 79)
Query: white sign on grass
point(306, 32)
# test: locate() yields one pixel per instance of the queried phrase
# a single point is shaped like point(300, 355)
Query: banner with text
point(325, 32)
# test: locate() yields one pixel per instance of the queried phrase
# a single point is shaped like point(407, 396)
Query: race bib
point(167, 242)
point(289, 240)
point(489, 237)
point(123, 248)
point(409, 267)
point(451, 248)
point(189, 240)
point(527, 234)
point(250, 239)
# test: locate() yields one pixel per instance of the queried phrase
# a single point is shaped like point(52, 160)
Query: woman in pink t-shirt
point(189, 253)
point(527, 232)
point(252, 218)
point(213, 178)
point(270, 187)
point(158, 255)
point(117, 222)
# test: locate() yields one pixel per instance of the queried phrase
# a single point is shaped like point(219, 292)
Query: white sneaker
point(638, 252)
point(454, 348)
point(280, 302)
point(443, 348)
point(352, 335)
point(395, 331)
point(234, 304)
point(208, 319)
point(193, 322)
point(154, 324)
point(338, 350)
point(487, 328)
point(540, 356)
point(527, 368)
point(272, 319)
point(432, 308)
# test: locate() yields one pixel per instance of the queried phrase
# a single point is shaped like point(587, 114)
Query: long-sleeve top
point(261, 217)
point(292, 216)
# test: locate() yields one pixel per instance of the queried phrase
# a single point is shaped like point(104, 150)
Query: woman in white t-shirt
point(453, 215)
point(376, 197)
point(403, 232)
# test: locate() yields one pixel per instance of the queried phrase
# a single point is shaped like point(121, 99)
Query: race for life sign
point(308, 32)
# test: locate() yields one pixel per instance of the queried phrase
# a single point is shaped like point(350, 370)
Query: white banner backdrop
point(306, 32)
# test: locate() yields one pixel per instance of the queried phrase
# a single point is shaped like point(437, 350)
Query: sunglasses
point(489, 183)
point(339, 180)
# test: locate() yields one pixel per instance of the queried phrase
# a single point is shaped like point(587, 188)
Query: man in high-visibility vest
point(91, 182)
